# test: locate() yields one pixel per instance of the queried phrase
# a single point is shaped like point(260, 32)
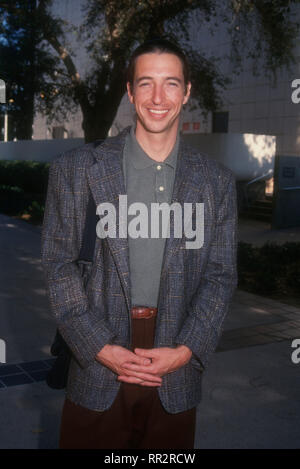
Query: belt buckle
point(151, 313)
point(144, 312)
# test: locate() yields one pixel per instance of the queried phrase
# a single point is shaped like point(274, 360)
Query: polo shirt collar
point(139, 157)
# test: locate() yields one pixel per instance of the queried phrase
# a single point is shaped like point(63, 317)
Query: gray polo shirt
point(146, 181)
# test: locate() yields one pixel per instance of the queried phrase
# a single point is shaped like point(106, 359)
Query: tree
point(112, 28)
point(25, 63)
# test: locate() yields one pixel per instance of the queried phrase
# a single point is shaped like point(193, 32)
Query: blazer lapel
point(106, 181)
point(186, 190)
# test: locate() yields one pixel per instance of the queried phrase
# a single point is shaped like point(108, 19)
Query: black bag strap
point(89, 232)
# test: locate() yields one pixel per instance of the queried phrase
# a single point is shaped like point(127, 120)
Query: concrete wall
point(37, 150)
point(247, 155)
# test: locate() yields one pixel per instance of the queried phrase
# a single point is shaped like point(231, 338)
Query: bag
point(57, 376)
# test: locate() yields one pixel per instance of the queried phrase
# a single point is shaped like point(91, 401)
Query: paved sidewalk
point(251, 390)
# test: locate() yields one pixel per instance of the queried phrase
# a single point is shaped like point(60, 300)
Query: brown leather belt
point(143, 312)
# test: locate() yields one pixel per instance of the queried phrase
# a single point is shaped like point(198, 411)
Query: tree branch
point(50, 35)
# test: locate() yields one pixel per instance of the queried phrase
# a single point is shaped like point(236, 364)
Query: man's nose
point(158, 94)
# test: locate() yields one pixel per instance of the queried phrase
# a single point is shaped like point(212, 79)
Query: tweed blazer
point(92, 308)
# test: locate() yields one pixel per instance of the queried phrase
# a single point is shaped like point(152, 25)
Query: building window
point(220, 122)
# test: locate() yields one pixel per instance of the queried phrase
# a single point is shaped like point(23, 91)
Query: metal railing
point(295, 188)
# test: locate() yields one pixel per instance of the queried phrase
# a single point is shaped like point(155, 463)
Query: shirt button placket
point(160, 187)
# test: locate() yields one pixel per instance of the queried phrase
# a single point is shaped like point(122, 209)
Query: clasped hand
point(145, 367)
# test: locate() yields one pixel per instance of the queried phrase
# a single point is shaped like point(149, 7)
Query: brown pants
point(136, 418)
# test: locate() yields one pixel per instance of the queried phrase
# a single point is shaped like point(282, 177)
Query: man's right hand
point(114, 356)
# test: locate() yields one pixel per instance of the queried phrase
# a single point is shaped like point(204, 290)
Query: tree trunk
point(95, 127)
point(24, 120)
point(25, 117)
point(98, 119)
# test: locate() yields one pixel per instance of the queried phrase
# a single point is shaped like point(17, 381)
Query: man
point(143, 328)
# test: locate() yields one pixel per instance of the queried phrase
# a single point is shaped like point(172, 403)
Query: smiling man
point(144, 325)
point(158, 91)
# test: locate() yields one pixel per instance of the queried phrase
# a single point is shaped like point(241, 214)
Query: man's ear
point(188, 92)
point(130, 96)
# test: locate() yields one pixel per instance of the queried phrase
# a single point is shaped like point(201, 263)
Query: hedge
point(270, 269)
point(31, 176)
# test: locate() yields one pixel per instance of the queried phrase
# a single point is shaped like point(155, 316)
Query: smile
point(159, 113)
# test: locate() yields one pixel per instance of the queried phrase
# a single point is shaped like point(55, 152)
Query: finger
point(146, 353)
point(129, 379)
point(139, 368)
point(133, 380)
point(138, 360)
point(143, 376)
point(150, 384)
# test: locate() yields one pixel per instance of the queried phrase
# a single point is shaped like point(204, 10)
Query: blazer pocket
point(196, 364)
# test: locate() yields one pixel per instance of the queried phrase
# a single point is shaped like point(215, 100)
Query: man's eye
point(144, 84)
point(173, 83)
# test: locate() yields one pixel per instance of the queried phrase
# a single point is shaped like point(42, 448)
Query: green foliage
point(270, 269)
point(10, 189)
point(36, 211)
point(26, 64)
point(30, 176)
point(23, 188)
point(12, 200)
point(265, 31)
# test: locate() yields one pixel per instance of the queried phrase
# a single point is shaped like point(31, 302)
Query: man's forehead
point(161, 63)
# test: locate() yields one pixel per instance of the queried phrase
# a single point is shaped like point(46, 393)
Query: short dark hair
point(159, 45)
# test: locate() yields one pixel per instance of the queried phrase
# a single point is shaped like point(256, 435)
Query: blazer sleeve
point(203, 325)
point(84, 331)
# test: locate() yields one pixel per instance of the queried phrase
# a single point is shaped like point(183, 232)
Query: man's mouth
point(158, 112)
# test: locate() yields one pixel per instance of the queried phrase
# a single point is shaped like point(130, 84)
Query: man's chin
point(155, 128)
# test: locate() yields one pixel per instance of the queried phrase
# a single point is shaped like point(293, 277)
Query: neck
point(157, 145)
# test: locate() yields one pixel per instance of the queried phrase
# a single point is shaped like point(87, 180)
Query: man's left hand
point(164, 360)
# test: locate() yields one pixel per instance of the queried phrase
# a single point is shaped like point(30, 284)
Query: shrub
point(23, 188)
point(270, 269)
point(36, 211)
point(31, 176)
point(12, 199)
